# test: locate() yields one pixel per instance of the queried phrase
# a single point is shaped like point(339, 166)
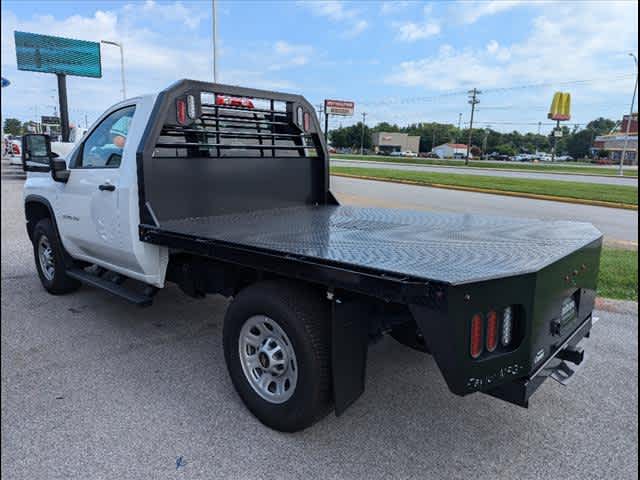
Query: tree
point(601, 126)
point(12, 126)
point(579, 143)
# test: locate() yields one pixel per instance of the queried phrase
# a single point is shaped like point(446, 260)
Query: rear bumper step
point(556, 367)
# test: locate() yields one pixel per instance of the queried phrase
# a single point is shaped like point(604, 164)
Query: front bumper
point(560, 366)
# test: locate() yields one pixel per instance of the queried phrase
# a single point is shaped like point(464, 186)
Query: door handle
point(106, 186)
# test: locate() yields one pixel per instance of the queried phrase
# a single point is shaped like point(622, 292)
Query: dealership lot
point(93, 387)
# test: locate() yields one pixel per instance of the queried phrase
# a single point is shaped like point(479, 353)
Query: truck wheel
point(49, 258)
point(276, 345)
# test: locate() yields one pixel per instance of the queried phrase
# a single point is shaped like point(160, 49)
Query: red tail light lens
point(476, 336)
point(16, 149)
point(492, 331)
point(181, 111)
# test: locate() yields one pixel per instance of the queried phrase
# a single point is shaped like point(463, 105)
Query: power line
point(409, 100)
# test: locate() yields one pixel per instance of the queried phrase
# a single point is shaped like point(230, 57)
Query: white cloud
point(288, 55)
point(471, 11)
point(413, 31)
point(168, 12)
point(391, 7)
point(565, 43)
point(410, 32)
point(338, 12)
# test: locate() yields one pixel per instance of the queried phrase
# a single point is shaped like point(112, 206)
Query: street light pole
point(626, 135)
point(214, 40)
point(119, 45)
point(364, 117)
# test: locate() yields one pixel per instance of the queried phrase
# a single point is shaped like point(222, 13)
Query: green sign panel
point(46, 54)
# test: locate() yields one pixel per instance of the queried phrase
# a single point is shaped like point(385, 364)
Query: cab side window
point(103, 147)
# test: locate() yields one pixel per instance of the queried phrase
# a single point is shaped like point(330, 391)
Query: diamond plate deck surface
point(453, 248)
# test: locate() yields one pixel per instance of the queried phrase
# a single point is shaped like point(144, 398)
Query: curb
point(482, 169)
point(535, 196)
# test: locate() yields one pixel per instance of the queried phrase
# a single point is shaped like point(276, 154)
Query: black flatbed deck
point(449, 248)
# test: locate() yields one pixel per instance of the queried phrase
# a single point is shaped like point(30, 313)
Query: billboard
point(46, 54)
point(339, 107)
point(49, 120)
point(560, 106)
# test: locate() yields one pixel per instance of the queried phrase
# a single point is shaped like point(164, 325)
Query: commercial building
point(387, 142)
point(450, 150)
point(613, 143)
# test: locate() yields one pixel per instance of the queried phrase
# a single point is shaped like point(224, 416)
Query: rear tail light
point(476, 336)
point(492, 331)
point(507, 327)
point(15, 148)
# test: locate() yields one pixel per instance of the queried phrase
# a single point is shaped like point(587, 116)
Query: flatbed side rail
point(385, 286)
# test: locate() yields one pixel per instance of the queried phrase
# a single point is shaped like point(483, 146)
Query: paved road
point(93, 387)
point(11, 172)
point(494, 173)
point(616, 224)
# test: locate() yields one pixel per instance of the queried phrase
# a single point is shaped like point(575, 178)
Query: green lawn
point(559, 168)
point(618, 274)
point(618, 194)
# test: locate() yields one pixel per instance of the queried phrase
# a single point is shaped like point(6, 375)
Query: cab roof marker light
point(181, 111)
point(507, 326)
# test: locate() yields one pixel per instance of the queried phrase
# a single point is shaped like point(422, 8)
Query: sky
point(401, 62)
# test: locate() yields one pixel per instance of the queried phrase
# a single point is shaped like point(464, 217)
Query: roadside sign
point(339, 107)
point(48, 120)
point(5, 82)
point(66, 56)
point(560, 106)
point(557, 133)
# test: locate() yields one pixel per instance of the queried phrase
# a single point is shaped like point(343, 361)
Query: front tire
point(49, 257)
point(277, 350)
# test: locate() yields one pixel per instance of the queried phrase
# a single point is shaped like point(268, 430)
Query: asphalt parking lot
point(93, 387)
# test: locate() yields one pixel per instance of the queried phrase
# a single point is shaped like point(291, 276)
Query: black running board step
point(113, 288)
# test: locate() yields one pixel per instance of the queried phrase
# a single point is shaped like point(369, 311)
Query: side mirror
point(59, 171)
point(36, 153)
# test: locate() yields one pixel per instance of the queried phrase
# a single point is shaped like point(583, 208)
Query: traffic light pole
point(64, 109)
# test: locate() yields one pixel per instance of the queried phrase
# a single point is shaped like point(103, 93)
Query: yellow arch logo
point(560, 106)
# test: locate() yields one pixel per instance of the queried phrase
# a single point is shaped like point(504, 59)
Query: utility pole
point(455, 140)
point(473, 100)
point(214, 41)
point(626, 135)
point(433, 138)
point(364, 117)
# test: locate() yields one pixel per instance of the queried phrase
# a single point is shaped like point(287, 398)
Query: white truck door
point(90, 220)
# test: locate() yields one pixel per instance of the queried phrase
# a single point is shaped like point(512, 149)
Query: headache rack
point(223, 149)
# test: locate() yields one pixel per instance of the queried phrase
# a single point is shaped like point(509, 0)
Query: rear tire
point(277, 349)
point(49, 257)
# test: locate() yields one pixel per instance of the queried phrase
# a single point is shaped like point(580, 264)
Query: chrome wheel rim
point(268, 359)
point(46, 259)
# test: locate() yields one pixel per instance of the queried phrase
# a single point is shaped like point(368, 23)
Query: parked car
point(408, 153)
point(12, 149)
point(141, 202)
point(428, 155)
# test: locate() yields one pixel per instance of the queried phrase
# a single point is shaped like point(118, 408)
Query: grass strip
point(614, 194)
point(581, 169)
point(618, 274)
